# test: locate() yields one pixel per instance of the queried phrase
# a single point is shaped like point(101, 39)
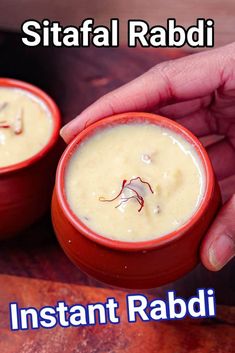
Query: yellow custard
point(25, 125)
point(134, 182)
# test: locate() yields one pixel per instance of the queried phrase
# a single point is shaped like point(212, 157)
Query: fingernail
point(221, 251)
point(65, 131)
point(62, 130)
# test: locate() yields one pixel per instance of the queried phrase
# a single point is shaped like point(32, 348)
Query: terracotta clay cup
point(26, 187)
point(138, 265)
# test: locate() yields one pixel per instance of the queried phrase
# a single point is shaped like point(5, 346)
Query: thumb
point(218, 247)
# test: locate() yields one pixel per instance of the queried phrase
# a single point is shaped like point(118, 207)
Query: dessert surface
point(134, 182)
point(25, 125)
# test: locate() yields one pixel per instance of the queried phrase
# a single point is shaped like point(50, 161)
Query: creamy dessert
point(25, 125)
point(134, 182)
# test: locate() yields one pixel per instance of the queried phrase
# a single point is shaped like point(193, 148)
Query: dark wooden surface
point(75, 78)
point(180, 336)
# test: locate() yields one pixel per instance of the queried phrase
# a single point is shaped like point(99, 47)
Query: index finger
point(191, 77)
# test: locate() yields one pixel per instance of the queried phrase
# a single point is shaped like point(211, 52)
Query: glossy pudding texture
point(26, 125)
point(134, 182)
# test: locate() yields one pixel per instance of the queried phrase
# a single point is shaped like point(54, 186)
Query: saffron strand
point(136, 197)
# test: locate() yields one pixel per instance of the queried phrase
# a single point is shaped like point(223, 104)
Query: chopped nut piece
point(146, 158)
point(157, 209)
point(18, 123)
point(3, 106)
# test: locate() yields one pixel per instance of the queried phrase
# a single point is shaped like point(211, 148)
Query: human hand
point(198, 91)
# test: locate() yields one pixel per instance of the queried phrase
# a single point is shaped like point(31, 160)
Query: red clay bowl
point(137, 265)
point(26, 187)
